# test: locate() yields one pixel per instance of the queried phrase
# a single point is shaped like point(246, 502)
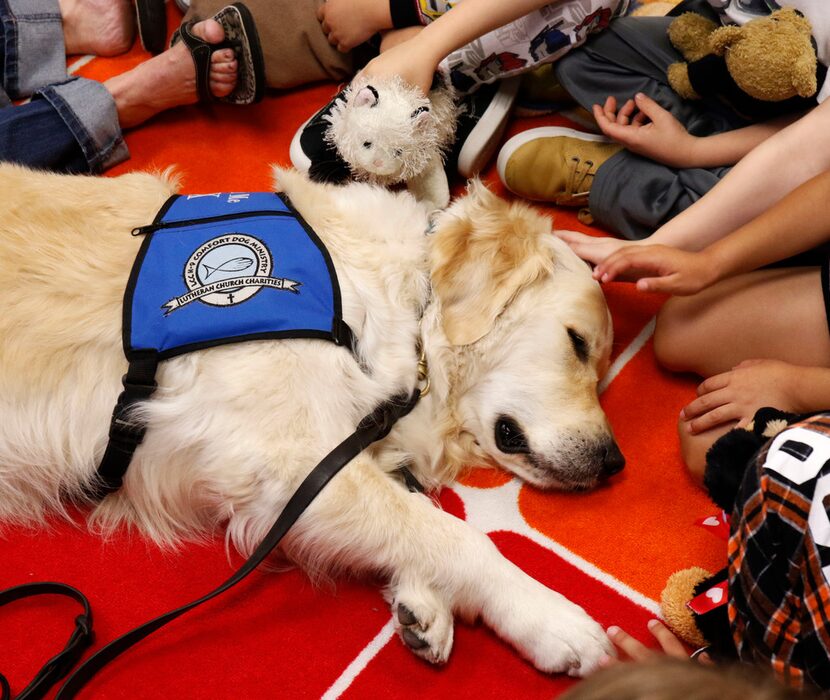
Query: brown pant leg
point(295, 49)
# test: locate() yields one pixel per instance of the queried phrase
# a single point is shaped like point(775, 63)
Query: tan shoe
point(554, 164)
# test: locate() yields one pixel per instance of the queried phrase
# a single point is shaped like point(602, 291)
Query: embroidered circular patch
point(228, 270)
point(222, 264)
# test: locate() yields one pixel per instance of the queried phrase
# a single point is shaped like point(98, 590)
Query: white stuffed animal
point(389, 133)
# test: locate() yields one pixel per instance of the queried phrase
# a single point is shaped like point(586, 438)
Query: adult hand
point(659, 268)
point(652, 132)
point(736, 395)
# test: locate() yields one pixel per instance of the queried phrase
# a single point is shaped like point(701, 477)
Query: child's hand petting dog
point(659, 268)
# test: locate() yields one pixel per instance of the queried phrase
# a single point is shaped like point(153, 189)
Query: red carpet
point(275, 636)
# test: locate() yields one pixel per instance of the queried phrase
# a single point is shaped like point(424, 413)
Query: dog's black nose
point(613, 461)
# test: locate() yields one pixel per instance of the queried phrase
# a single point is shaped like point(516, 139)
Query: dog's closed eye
point(509, 437)
point(580, 345)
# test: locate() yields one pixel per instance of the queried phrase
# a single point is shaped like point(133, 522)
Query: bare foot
point(99, 27)
point(348, 23)
point(169, 79)
point(593, 249)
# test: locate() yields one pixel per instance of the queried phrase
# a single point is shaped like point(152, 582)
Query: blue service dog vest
point(215, 269)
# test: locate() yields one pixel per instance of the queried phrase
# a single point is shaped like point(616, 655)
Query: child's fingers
point(659, 285)
point(609, 127)
point(651, 109)
point(668, 642)
point(721, 415)
point(706, 402)
point(635, 650)
point(626, 260)
point(705, 659)
point(599, 116)
point(625, 112)
point(713, 383)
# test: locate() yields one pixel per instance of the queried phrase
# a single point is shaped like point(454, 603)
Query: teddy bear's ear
point(793, 17)
point(721, 39)
point(804, 76)
point(689, 34)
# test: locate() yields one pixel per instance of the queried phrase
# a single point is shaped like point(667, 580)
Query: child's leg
point(779, 315)
point(629, 195)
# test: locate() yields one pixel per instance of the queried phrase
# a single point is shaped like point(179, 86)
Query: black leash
point(373, 427)
point(60, 664)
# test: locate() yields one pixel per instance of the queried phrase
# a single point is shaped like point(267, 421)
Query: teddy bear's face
point(770, 58)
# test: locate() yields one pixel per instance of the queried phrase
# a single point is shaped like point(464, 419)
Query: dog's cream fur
point(234, 429)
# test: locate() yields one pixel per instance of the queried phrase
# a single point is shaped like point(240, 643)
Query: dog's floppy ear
point(485, 250)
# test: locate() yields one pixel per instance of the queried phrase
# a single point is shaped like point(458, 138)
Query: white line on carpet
point(627, 354)
point(360, 662)
point(80, 63)
point(486, 510)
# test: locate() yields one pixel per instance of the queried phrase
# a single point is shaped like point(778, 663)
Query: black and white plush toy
point(727, 462)
point(388, 133)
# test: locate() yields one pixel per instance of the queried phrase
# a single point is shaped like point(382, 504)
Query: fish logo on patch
point(228, 270)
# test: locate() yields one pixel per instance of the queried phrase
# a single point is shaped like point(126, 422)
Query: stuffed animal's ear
point(366, 96)
point(421, 117)
point(804, 76)
point(679, 590)
point(485, 250)
point(689, 34)
point(721, 39)
point(795, 18)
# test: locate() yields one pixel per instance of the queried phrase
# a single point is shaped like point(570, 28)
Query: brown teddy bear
point(769, 59)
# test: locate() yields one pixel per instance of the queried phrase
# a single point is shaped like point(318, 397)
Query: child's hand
point(736, 395)
point(404, 60)
point(636, 651)
point(653, 132)
point(659, 268)
point(348, 23)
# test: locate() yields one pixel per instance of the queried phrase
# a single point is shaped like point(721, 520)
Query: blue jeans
point(71, 124)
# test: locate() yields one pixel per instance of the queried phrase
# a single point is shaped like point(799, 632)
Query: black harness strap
point(126, 435)
point(60, 664)
point(373, 427)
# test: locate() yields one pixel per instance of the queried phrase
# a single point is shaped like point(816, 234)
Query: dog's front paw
point(568, 641)
point(424, 623)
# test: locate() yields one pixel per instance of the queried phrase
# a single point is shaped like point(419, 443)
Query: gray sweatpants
point(632, 195)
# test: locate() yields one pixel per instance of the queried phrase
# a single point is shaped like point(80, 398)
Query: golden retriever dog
point(515, 331)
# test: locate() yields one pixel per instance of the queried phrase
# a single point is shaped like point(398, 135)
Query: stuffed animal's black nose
point(613, 461)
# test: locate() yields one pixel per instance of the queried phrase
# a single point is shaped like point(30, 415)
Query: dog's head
point(530, 334)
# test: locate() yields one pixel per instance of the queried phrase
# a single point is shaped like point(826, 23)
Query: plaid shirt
point(779, 557)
